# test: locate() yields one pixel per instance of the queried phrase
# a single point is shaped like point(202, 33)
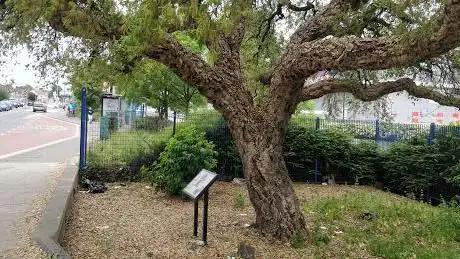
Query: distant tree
point(3, 94)
point(161, 88)
point(55, 91)
point(305, 106)
point(31, 97)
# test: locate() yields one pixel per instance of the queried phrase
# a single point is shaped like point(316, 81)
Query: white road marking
point(63, 121)
point(76, 135)
point(37, 147)
point(77, 126)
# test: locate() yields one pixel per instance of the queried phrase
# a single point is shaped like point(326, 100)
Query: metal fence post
point(83, 129)
point(432, 133)
point(174, 123)
point(317, 126)
point(86, 129)
point(142, 110)
point(134, 112)
point(377, 132)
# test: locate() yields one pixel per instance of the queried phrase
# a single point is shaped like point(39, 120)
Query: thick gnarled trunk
point(271, 192)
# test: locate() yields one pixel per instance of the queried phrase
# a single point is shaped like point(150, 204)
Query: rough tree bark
point(271, 192)
point(259, 129)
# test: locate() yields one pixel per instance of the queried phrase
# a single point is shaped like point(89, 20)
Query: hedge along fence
point(344, 151)
point(129, 146)
point(430, 172)
point(330, 153)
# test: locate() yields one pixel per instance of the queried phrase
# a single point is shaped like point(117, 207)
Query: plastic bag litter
point(95, 186)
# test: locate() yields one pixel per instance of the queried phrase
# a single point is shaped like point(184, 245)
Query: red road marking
point(36, 132)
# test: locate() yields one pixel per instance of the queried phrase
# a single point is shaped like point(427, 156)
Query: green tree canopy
point(32, 97)
point(259, 59)
point(3, 95)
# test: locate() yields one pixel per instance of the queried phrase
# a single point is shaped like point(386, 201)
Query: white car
point(39, 107)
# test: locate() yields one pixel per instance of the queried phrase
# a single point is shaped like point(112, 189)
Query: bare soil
point(135, 221)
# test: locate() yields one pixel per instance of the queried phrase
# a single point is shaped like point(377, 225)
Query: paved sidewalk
point(27, 181)
point(21, 186)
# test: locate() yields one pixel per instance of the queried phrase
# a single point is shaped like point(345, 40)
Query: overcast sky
point(15, 68)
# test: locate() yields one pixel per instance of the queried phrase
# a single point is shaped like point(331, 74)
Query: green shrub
point(216, 131)
point(202, 121)
point(297, 241)
point(303, 120)
point(185, 155)
point(150, 123)
point(299, 155)
point(357, 130)
point(412, 169)
point(363, 163)
point(449, 147)
point(147, 158)
point(334, 151)
point(321, 237)
point(229, 163)
point(3, 94)
point(448, 131)
point(331, 147)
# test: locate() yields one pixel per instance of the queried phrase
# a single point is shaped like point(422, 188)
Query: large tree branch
point(92, 23)
point(95, 24)
point(212, 82)
point(328, 20)
point(189, 66)
point(228, 57)
point(325, 22)
point(278, 13)
point(283, 89)
point(266, 26)
point(349, 53)
point(375, 91)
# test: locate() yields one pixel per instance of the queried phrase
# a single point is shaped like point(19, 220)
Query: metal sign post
point(197, 188)
point(110, 113)
point(83, 130)
point(205, 216)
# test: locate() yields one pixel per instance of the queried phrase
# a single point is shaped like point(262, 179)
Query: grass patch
point(386, 226)
point(298, 241)
point(239, 201)
point(124, 147)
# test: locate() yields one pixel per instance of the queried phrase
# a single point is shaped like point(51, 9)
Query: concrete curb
point(50, 231)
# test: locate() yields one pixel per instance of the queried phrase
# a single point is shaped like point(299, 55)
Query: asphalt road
point(15, 118)
point(34, 149)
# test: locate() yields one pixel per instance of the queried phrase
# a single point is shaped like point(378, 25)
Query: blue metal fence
point(134, 127)
point(382, 133)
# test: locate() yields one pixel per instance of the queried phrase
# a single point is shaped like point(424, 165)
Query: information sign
point(199, 184)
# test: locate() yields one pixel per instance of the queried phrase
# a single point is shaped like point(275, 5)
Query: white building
point(402, 109)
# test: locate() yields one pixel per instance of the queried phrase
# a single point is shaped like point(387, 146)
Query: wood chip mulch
point(135, 221)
